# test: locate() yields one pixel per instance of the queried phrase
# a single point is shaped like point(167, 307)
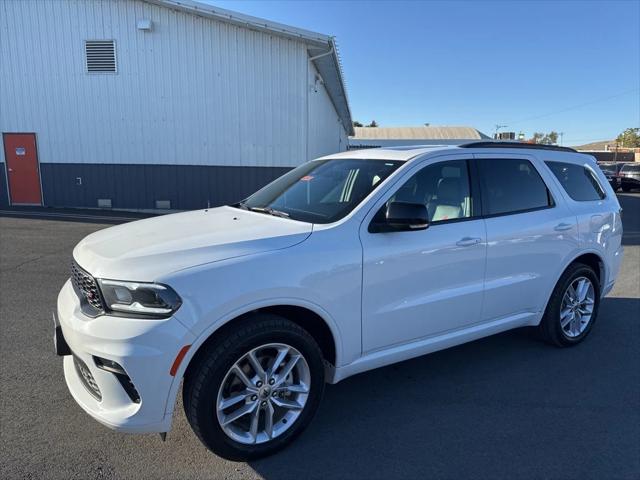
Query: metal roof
point(418, 133)
point(328, 66)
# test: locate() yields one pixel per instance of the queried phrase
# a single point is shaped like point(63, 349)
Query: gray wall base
point(140, 186)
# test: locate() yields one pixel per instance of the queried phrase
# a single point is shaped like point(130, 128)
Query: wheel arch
point(593, 260)
point(590, 258)
point(310, 320)
point(309, 316)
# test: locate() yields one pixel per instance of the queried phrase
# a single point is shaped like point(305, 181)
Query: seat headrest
point(449, 191)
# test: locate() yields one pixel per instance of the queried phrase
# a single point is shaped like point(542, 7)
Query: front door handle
point(468, 241)
point(563, 226)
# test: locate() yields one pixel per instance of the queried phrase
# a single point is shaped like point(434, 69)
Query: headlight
point(148, 299)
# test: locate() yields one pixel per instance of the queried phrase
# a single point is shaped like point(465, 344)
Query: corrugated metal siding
point(139, 186)
point(193, 91)
point(326, 134)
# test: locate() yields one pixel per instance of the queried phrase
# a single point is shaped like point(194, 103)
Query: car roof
point(402, 153)
point(408, 152)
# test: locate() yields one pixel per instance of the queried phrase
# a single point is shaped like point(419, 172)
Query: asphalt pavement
point(508, 406)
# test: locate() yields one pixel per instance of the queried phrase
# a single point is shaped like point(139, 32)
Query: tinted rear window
point(511, 186)
point(631, 168)
point(578, 181)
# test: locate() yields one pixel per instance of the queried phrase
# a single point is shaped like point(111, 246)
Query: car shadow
point(506, 406)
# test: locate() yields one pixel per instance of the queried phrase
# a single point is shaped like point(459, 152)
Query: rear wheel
point(626, 189)
point(254, 389)
point(573, 307)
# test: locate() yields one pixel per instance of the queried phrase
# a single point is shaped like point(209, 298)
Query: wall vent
point(104, 203)
point(163, 204)
point(100, 56)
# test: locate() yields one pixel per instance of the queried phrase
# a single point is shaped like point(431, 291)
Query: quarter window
point(511, 186)
point(442, 187)
point(578, 181)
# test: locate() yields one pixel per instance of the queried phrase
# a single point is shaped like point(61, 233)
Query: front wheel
point(573, 307)
point(255, 388)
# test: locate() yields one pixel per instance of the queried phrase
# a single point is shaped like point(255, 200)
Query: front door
point(23, 172)
point(428, 282)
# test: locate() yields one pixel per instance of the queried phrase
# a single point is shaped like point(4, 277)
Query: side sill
point(399, 353)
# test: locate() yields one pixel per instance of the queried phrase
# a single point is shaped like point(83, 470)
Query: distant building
point(372, 137)
point(167, 104)
point(602, 146)
point(505, 136)
point(609, 151)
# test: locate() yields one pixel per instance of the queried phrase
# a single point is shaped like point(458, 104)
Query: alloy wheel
point(577, 306)
point(263, 393)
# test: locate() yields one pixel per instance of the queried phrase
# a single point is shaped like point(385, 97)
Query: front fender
point(230, 316)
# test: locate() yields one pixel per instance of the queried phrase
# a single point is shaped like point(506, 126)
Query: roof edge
point(240, 19)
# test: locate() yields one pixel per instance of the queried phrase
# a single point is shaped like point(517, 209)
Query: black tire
point(626, 189)
point(205, 376)
point(550, 327)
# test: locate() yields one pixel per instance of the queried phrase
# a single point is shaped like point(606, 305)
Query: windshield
point(322, 191)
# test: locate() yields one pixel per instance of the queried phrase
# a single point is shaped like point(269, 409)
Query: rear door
point(422, 283)
point(596, 208)
point(23, 172)
point(530, 233)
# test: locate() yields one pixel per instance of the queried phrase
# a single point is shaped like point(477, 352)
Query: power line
point(603, 99)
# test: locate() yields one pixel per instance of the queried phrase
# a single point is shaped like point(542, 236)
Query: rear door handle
point(468, 241)
point(561, 227)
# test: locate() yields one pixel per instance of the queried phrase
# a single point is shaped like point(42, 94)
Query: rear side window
point(511, 186)
point(578, 181)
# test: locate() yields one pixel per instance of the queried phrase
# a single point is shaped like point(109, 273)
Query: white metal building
point(371, 137)
point(158, 103)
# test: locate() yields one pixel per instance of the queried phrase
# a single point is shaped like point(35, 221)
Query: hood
point(148, 249)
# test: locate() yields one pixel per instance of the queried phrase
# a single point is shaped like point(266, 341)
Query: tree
point(356, 123)
point(550, 138)
point(630, 138)
point(373, 124)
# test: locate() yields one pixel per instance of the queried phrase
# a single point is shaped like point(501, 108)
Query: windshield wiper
point(241, 205)
point(269, 211)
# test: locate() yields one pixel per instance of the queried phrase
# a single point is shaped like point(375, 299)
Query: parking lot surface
point(507, 406)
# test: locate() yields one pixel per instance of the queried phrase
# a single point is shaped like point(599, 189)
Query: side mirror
point(400, 217)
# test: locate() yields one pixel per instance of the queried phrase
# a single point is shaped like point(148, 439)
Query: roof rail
point(535, 146)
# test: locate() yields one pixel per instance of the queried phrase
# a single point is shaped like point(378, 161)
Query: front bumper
point(146, 350)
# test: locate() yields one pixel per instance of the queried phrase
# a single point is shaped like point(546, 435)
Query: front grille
point(87, 288)
point(86, 378)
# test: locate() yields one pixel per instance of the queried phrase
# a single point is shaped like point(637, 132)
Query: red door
point(23, 171)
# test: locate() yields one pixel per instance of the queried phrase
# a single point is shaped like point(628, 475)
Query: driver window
point(442, 187)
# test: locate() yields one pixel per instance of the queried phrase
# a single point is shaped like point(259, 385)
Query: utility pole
point(561, 135)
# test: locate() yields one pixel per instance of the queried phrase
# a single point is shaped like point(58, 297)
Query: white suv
point(344, 264)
